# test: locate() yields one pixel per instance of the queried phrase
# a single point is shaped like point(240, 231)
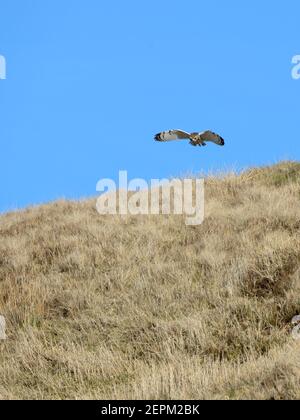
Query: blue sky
point(90, 82)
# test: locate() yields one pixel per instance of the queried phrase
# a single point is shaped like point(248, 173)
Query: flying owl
point(195, 139)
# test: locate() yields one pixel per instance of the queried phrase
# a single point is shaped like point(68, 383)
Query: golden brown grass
point(147, 307)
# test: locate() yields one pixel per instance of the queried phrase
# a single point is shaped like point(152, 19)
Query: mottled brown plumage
point(196, 139)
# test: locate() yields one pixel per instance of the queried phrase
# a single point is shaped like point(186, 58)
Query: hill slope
point(146, 307)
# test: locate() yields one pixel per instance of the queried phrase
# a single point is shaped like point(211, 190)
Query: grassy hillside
point(147, 307)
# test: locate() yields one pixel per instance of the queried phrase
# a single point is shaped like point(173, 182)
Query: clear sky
point(90, 82)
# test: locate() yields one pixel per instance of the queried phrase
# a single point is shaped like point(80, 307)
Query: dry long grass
point(146, 307)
